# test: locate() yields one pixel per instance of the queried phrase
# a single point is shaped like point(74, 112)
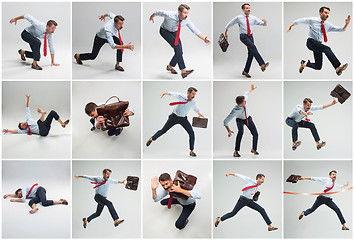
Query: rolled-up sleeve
point(229, 117)
point(315, 108)
point(195, 108)
point(114, 181)
point(32, 20)
point(258, 21)
point(193, 28)
point(195, 194)
point(333, 28)
point(246, 95)
point(110, 40)
point(161, 13)
point(244, 178)
point(111, 15)
point(90, 177)
point(50, 43)
point(28, 113)
point(161, 195)
point(302, 21)
point(132, 110)
point(174, 94)
point(317, 179)
point(232, 22)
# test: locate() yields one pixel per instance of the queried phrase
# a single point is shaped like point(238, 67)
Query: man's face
point(260, 181)
point(191, 95)
point(247, 10)
point(166, 185)
point(24, 125)
point(324, 15)
point(51, 29)
point(333, 176)
point(19, 194)
point(307, 106)
point(183, 15)
point(94, 114)
point(106, 175)
point(119, 25)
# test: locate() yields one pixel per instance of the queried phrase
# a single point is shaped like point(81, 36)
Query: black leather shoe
point(236, 154)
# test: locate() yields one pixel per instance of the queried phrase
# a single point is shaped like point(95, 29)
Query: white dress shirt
point(194, 193)
point(109, 30)
point(37, 29)
point(238, 112)
point(297, 116)
point(315, 31)
point(241, 20)
point(31, 123)
point(327, 183)
point(25, 191)
point(182, 110)
point(103, 189)
point(249, 182)
point(171, 21)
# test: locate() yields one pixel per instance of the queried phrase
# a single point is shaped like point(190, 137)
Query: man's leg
point(32, 203)
point(252, 127)
point(317, 53)
point(183, 218)
point(335, 208)
point(239, 123)
point(172, 120)
point(188, 127)
point(115, 131)
point(41, 193)
point(48, 121)
point(261, 210)
point(98, 212)
point(252, 52)
point(330, 55)
point(35, 45)
point(311, 126)
point(319, 201)
point(109, 204)
point(97, 44)
point(164, 202)
point(119, 56)
point(239, 205)
point(294, 128)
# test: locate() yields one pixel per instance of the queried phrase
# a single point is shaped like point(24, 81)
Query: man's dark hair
point(306, 100)
point(183, 6)
point(107, 170)
point(332, 172)
point(164, 177)
point(16, 192)
point(52, 22)
point(239, 99)
point(191, 89)
point(19, 126)
point(259, 175)
point(90, 107)
point(244, 5)
point(323, 8)
point(118, 17)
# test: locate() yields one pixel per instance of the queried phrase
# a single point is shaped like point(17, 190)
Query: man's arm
point(347, 21)
point(28, 98)
point(10, 195)
point(252, 87)
point(16, 200)
point(9, 131)
point(205, 39)
point(305, 178)
point(154, 186)
point(14, 20)
point(177, 188)
point(229, 25)
point(330, 104)
point(103, 17)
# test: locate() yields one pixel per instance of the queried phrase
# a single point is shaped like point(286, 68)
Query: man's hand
point(27, 95)
point(176, 188)
point(206, 40)
point(334, 101)
point(129, 46)
point(252, 87)
point(346, 185)
point(5, 131)
point(228, 174)
point(347, 20)
point(163, 94)
point(229, 133)
point(200, 115)
point(77, 176)
point(121, 182)
point(308, 113)
point(102, 17)
point(100, 119)
point(127, 113)
point(55, 64)
point(292, 25)
point(151, 19)
point(226, 35)
point(265, 22)
point(6, 195)
point(14, 20)
point(154, 183)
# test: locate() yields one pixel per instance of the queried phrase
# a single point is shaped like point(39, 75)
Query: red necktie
point(29, 130)
point(120, 40)
point(98, 184)
point(177, 103)
point(45, 45)
point(324, 32)
point(248, 27)
point(246, 114)
point(253, 186)
point(329, 188)
point(29, 192)
point(307, 119)
point(169, 202)
point(178, 32)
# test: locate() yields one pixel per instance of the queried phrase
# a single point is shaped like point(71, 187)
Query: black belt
point(177, 115)
point(246, 198)
point(243, 34)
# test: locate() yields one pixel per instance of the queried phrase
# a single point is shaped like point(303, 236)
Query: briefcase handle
point(111, 98)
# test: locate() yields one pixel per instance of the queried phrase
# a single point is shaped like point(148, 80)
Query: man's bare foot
point(41, 111)
point(34, 210)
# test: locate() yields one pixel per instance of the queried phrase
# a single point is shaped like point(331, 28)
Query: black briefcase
point(223, 43)
point(200, 122)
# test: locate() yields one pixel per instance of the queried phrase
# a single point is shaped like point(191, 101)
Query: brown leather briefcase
point(113, 114)
point(293, 178)
point(223, 43)
point(341, 93)
point(200, 122)
point(185, 181)
point(132, 183)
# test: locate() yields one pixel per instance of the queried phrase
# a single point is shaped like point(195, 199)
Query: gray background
point(334, 124)
point(323, 223)
point(12, 65)
point(48, 222)
point(48, 96)
point(268, 40)
point(126, 202)
point(97, 144)
point(295, 41)
point(175, 142)
point(270, 199)
point(158, 53)
point(85, 26)
point(265, 106)
point(158, 221)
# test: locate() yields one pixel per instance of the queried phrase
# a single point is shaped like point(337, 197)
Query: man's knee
point(240, 132)
point(178, 50)
point(318, 66)
point(180, 224)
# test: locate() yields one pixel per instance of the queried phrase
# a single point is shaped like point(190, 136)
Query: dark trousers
point(252, 127)
point(112, 132)
point(97, 44)
point(41, 198)
point(101, 202)
point(178, 57)
point(252, 52)
point(186, 211)
point(34, 43)
point(302, 124)
point(173, 119)
point(329, 202)
point(44, 127)
point(318, 50)
point(242, 202)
